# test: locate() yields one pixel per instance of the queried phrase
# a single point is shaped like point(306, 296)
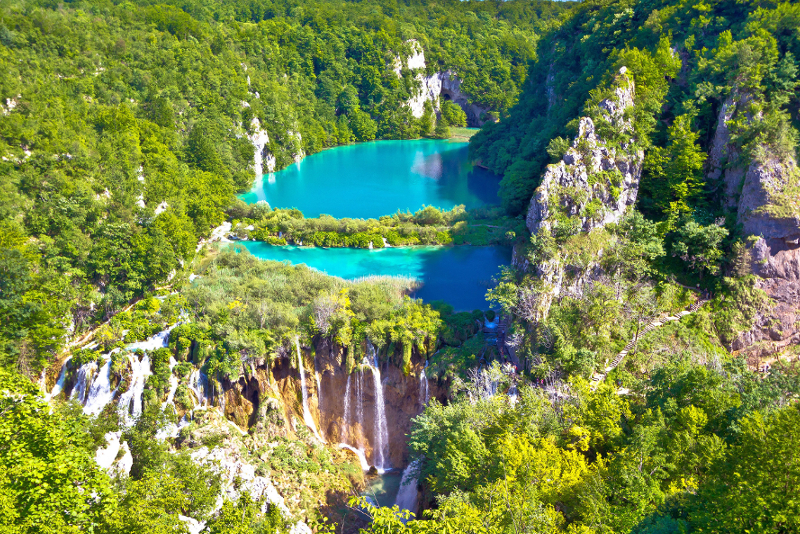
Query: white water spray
point(407, 494)
point(100, 393)
point(83, 381)
point(381, 448)
point(309, 421)
point(130, 402)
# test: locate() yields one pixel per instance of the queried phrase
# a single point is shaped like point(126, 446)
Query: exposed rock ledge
point(765, 199)
point(440, 85)
point(593, 185)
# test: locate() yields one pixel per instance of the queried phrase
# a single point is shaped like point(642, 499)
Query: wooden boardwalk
point(597, 378)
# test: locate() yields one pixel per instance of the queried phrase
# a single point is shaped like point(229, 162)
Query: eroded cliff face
point(437, 87)
point(272, 400)
point(593, 185)
point(594, 182)
point(764, 197)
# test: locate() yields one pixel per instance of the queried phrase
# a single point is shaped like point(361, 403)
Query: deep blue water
point(457, 275)
point(367, 180)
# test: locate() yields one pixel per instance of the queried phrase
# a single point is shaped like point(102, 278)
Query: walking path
point(597, 378)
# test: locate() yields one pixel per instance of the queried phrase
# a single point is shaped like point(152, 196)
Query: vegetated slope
point(126, 129)
point(713, 112)
point(721, 46)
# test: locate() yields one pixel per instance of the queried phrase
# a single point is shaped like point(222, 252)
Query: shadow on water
point(459, 276)
point(459, 179)
point(462, 275)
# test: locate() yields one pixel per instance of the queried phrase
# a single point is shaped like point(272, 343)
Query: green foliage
point(698, 245)
point(428, 226)
point(244, 516)
point(49, 481)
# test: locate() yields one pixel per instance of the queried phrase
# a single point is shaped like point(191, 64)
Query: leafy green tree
point(752, 488)
point(698, 245)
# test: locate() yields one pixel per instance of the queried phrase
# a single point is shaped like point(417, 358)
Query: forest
point(655, 391)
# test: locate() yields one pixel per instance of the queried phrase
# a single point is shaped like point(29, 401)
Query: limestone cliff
point(595, 182)
point(593, 185)
point(438, 86)
point(271, 399)
point(764, 197)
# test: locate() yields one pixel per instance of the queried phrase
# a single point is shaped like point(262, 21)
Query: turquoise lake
point(457, 275)
point(367, 180)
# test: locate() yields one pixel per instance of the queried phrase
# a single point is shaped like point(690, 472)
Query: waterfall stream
point(407, 494)
point(130, 402)
point(83, 381)
point(100, 393)
point(307, 418)
point(59, 387)
point(345, 430)
point(424, 392)
point(380, 451)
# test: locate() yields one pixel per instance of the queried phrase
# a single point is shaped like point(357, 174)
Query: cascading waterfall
point(197, 385)
point(309, 421)
point(59, 387)
point(130, 402)
point(424, 392)
point(343, 435)
point(360, 406)
point(173, 384)
point(381, 448)
point(407, 494)
point(100, 393)
point(83, 381)
point(317, 376)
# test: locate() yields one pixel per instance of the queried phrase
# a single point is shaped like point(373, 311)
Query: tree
point(698, 245)
point(452, 114)
point(753, 488)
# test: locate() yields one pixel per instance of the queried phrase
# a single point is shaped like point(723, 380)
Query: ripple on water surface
point(457, 275)
point(379, 178)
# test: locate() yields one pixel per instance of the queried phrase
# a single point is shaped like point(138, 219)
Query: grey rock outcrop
point(437, 87)
point(764, 197)
point(594, 182)
point(593, 185)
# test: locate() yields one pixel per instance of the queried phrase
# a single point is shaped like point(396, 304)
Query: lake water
point(457, 275)
point(367, 180)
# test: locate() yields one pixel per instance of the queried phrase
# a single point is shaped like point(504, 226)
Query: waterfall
point(173, 385)
point(424, 393)
point(100, 393)
point(130, 402)
point(360, 406)
point(381, 447)
point(156, 341)
point(197, 384)
point(59, 387)
point(407, 494)
point(358, 452)
point(345, 430)
point(83, 381)
point(306, 412)
point(318, 377)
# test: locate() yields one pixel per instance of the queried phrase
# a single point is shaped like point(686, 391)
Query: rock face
point(764, 196)
point(272, 400)
point(593, 185)
point(436, 87)
point(594, 182)
point(263, 160)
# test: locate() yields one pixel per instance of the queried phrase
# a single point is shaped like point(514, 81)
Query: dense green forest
point(628, 408)
point(114, 112)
